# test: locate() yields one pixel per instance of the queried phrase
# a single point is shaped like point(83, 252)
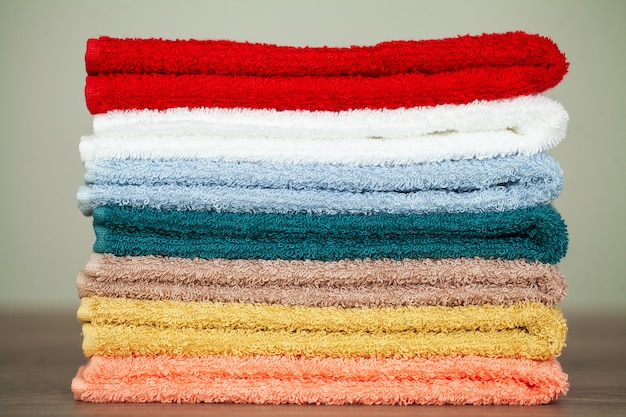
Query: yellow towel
point(123, 327)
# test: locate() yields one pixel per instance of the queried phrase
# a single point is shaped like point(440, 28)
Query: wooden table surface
point(40, 353)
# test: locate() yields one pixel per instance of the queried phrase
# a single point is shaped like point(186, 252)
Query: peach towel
point(286, 379)
point(346, 283)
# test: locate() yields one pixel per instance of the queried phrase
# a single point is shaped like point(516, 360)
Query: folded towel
point(465, 176)
point(501, 66)
point(114, 55)
point(534, 233)
point(125, 327)
point(523, 115)
point(156, 91)
point(492, 184)
point(346, 283)
point(524, 125)
point(300, 380)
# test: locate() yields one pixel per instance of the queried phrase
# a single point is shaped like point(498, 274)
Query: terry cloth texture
point(481, 129)
point(221, 57)
point(524, 115)
point(333, 225)
point(535, 66)
point(465, 176)
point(493, 184)
point(124, 327)
point(346, 283)
point(157, 91)
point(535, 234)
point(300, 380)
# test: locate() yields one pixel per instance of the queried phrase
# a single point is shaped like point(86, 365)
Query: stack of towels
point(279, 224)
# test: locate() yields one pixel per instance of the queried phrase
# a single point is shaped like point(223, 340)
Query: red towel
point(218, 57)
point(160, 74)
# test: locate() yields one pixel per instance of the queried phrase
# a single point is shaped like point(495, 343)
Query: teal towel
point(535, 233)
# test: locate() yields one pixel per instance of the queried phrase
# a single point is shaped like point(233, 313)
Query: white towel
point(483, 129)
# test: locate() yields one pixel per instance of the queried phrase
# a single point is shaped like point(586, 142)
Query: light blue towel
point(473, 185)
point(467, 174)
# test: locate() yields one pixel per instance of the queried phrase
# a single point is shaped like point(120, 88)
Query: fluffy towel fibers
point(301, 380)
point(454, 83)
point(345, 283)
point(220, 57)
point(492, 184)
point(105, 93)
point(524, 115)
point(124, 327)
point(481, 129)
point(462, 176)
point(263, 200)
point(535, 234)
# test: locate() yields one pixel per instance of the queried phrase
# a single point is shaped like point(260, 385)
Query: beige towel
point(347, 283)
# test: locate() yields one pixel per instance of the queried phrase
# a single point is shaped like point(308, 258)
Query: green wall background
point(45, 240)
